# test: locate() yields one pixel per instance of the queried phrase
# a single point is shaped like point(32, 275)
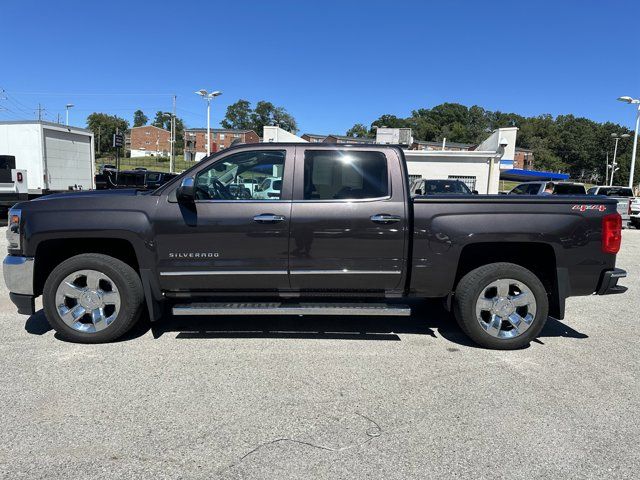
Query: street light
point(617, 138)
point(208, 96)
point(633, 101)
point(67, 107)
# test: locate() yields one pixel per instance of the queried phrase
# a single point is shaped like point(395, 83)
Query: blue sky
point(330, 63)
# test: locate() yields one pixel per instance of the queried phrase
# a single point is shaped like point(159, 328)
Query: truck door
point(349, 220)
point(232, 238)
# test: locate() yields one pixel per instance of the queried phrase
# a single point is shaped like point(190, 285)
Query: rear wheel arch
point(537, 257)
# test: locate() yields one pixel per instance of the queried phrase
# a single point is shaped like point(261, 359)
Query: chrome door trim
point(345, 271)
point(223, 272)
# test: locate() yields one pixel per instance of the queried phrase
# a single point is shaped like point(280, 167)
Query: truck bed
point(449, 232)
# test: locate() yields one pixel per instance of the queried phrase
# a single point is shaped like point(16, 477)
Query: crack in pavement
point(372, 432)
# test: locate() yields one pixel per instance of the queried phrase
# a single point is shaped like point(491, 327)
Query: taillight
point(629, 207)
point(611, 233)
point(19, 177)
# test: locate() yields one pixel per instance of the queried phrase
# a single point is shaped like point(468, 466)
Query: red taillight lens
point(19, 176)
point(611, 233)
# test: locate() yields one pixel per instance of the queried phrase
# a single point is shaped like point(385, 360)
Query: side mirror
point(475, 192)
point(186, 192)
point(418, 191)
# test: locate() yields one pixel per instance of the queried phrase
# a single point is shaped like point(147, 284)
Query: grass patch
point(158, 164)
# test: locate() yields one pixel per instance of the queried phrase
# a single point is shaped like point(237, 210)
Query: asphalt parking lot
point(326, 398)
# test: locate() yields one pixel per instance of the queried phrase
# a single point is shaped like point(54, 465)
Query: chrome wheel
point(506, 308)
point(87, 301)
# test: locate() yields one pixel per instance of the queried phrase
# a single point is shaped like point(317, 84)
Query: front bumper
point(18, 276)
point(609, 282)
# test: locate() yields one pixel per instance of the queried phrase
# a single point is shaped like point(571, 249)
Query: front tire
point(92, 298)
point(501, 306)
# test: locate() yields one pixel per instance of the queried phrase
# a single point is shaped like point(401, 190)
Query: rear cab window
point(615, 192)
point(569, 189)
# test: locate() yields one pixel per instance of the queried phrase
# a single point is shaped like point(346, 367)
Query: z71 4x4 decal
point(584, 208)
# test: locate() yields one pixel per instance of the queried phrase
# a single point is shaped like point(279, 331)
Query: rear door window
point(345, 175)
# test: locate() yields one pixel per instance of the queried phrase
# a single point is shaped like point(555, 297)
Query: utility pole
point(99, 132)
point(172, 164)
point(40, 112)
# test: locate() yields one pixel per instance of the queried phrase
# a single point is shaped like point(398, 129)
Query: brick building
point(523, 159)
point(195, 142)
point(148, 141)
point(313, 137)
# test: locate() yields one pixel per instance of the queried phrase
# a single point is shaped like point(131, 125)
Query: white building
point(479, 168)
point(56, 157)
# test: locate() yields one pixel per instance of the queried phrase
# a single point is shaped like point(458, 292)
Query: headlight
point(13, 229)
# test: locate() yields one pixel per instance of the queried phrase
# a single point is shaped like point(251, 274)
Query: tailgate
point(623, 206)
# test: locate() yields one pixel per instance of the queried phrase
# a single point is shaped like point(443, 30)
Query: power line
point(52, 94)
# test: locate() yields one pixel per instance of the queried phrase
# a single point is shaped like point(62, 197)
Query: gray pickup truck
point(339, 235)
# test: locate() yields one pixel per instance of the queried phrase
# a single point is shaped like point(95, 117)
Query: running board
point(277, 308)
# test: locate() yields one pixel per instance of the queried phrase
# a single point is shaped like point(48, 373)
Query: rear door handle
point(268, 218)
point(385, 219)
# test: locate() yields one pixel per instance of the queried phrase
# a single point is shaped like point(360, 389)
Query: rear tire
point(92, 298)
point(501, 306)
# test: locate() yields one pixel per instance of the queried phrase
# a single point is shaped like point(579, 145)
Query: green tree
point(162, 120)
point(266, 113)
point(390, 121)
point(238, 116)
point(139, 118)
point(359, 131)
point(241, 116)
point(104, 126)
point(179, 123)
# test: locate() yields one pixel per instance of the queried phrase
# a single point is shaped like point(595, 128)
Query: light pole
point(67, 107)
point(633, 101)
point(208, 96)
point(172, 141)
point(615, 153)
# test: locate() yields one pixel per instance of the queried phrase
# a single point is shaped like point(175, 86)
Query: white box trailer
point(56, 158)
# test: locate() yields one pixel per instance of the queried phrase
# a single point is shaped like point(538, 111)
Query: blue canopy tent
point(519, 175)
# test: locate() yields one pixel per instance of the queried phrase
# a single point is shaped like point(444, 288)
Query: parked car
point(13, 183)
point(634, 212)
point(340, 224)
point(269, 188)
point(142, 179)
point(557, 188)
point(424, 186)
point(107, 167)
point(624, 196)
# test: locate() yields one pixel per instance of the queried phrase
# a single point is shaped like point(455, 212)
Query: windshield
point(445, 187)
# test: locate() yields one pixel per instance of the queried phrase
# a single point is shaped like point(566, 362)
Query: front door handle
point(385, 219)
point(268, 218)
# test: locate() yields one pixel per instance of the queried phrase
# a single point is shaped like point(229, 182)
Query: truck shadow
point(429, 318)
